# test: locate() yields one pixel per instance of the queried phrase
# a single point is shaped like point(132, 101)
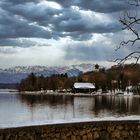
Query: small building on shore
point(83, 87)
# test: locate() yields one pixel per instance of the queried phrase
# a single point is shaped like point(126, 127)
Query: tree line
point(54, 82)
point(116, 77)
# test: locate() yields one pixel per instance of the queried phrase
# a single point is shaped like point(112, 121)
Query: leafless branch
point(134, 2)
point(133, 55)
point(130, 21)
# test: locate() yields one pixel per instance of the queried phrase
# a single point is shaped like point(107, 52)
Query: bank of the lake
point(76, 94)
point(94, 130)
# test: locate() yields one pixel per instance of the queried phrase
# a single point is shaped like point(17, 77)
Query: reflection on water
point(33, 100)
point(96, 106)
point(117, 105)
point(18, 109)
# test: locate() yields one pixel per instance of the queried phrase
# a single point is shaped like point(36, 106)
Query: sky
point(61, 32)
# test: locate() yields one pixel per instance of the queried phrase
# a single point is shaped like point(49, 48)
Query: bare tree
point(131, 22)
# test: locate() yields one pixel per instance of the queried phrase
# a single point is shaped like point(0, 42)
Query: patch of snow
point(77, 120)
point(80, 85)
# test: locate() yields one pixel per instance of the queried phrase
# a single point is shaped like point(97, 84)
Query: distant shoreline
point(72, 94)
point(43, 93)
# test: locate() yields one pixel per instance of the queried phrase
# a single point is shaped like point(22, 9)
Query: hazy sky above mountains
point(60, 32)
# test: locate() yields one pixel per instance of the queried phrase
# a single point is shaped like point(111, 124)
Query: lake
point(20, 110)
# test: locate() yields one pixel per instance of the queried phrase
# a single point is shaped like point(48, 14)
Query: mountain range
point(16, 74)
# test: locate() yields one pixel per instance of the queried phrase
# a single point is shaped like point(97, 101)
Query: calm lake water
point(20, 110)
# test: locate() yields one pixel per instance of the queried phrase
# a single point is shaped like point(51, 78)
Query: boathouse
point(83, 87)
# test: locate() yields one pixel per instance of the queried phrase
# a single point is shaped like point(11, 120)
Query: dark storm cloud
point(80, 36)
point(103, 6)
point(21, 20)
point(12, 26)
point(17, 18)
point(38, 19)
point(38, 12)
point(19, 1)
point(8, 42)
point(91, 52)
point(22, 42)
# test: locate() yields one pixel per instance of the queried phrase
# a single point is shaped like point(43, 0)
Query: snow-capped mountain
point(16, 74)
